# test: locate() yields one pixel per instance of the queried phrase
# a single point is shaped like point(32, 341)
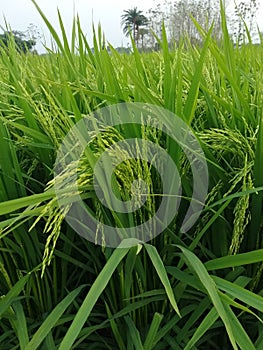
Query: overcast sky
point(20, 13)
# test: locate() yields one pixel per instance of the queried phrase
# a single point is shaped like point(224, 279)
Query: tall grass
point(196, 290)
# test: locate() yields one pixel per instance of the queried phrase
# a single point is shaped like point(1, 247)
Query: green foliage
point(18, 39)
point(196, 290)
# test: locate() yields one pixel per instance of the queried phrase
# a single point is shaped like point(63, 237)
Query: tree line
point(178, 16)
point(23, 41)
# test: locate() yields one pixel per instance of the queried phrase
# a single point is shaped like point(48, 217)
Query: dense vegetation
point(21, 43)
point(202, 289)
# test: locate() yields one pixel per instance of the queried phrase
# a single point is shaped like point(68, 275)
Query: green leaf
point(20, 324)
point(254, 238)
point(196, 265)
point(134, 334)
point(150, 339)
point(52, 319)
point(191, 101)
point(7, 299)
point(240, 334)
point(160, 269)
point(203, 327)
point(95, 291)
point(231, 261)
point(246, 296)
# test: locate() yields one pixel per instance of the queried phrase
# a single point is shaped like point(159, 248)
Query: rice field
point(199, 289)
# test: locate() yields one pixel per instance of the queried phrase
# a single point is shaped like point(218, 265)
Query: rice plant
point(199, 289)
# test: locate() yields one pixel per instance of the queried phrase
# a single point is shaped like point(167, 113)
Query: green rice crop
point(196, 290)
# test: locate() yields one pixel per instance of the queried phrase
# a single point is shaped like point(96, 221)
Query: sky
point(20, 13)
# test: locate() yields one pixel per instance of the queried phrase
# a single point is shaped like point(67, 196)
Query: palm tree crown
point(132, 20)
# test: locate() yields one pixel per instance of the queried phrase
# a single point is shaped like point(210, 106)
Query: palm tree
point(132, 20)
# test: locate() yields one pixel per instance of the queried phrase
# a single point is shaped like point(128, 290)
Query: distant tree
point(21, 42)
point(245, 12)
point(177, 17)
point(142, 33)
point(32, 32)
point(122, 49)
point(132, 20)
